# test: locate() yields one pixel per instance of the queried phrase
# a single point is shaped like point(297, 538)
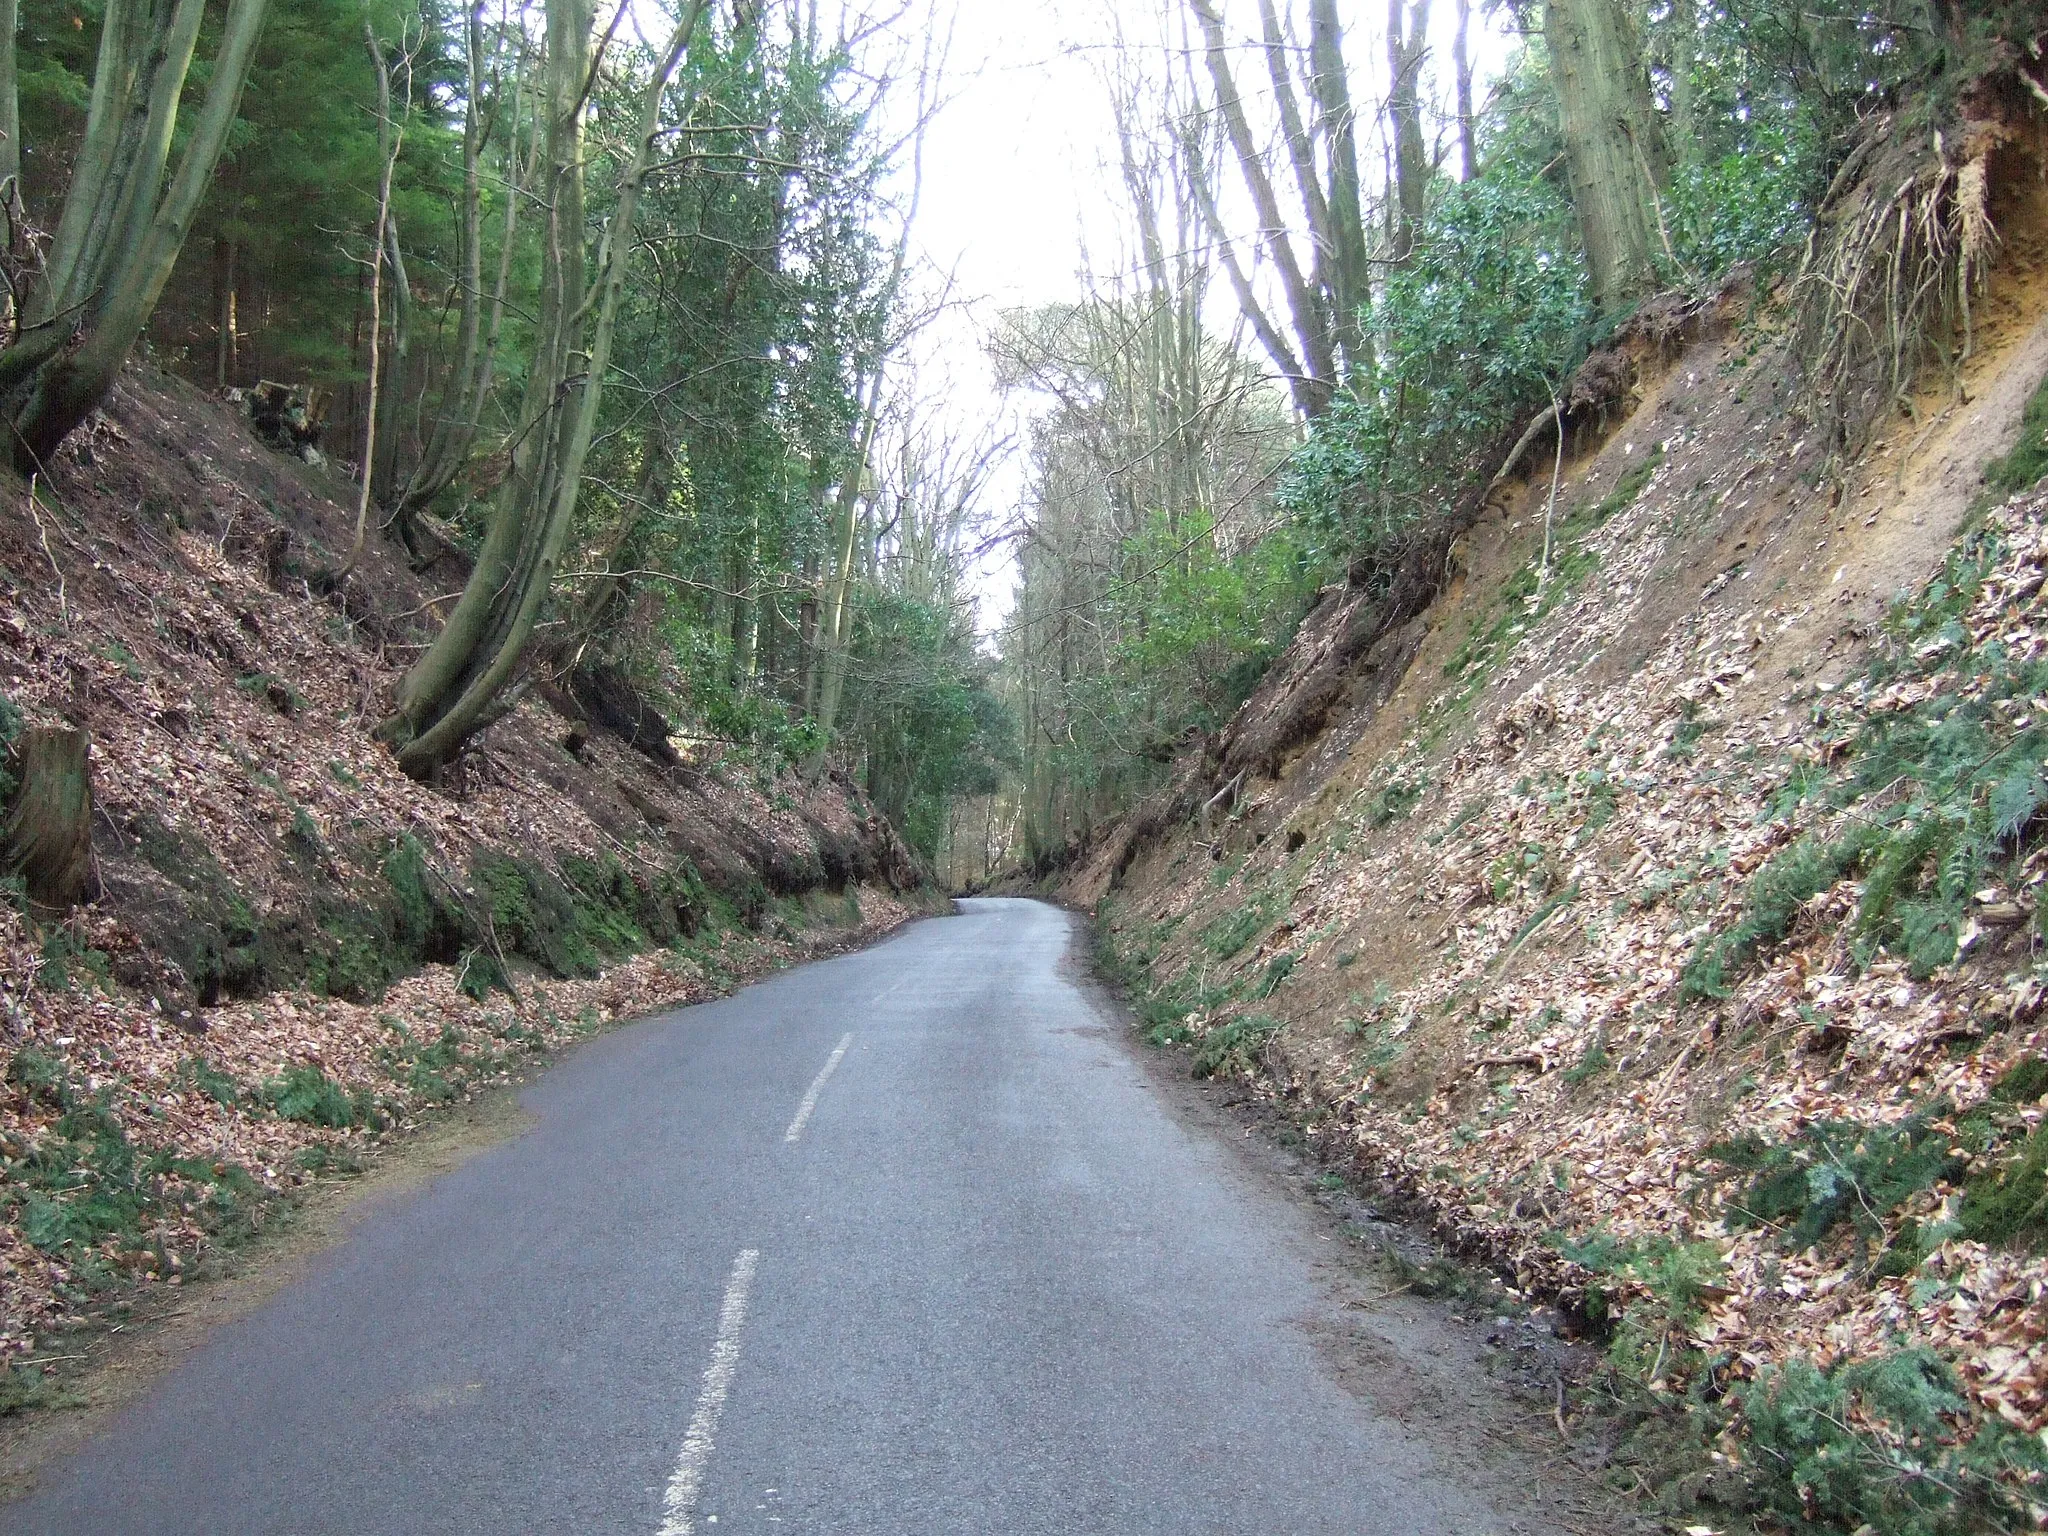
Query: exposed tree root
point(1902, 246)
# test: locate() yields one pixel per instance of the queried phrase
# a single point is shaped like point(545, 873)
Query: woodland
point(602, 307)
point(608, 332)
point(1412, 266)
point(619, 310)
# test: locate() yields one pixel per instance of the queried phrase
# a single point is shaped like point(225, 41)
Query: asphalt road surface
point(901, 1242)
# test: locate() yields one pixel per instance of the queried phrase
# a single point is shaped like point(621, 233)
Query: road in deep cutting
point(995, 1287)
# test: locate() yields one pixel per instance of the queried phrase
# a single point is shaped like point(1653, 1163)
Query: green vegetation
point(1837, 1172)
point(1233, 1045)
point(307, 1094)
point(1870, 1446)
point(1785, 884)
point(1942, 795)
point(2022, 468)
point(82, 1182)
point(1666, 1284)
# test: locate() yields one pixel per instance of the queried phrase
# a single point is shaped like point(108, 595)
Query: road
point(906, 1241)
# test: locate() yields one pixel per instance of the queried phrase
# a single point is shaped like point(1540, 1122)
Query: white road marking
point(803, 1110)
point(679, 1504)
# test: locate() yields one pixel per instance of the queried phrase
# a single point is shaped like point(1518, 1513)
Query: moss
point(594, 910)
point(2024, 1082)
point(10, 729)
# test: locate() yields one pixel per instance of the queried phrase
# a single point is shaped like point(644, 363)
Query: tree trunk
point(454, 689)
point(1681, 27)
point(1351, 266)
point(835, 635)
point(10, 105)
point(388, 143)
point(393, 393)
point(46, 839)
point(476, 342)
point(1404, 109)
point(1317, 350)
point(121, 228)
point(224, 312)
point(1461, 66)
point(1613, 143)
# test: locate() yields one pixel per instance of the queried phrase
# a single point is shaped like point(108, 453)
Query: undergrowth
point(1871, 1446)
point(1937, 798)
point(83, 1191)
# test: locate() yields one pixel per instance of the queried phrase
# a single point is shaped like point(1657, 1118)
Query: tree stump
point(46, 838)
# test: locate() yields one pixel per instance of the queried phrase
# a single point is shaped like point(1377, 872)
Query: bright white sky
point(1019, 179)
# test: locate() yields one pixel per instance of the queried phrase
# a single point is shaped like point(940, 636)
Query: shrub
point(1838, 1171)
point(1780, 889)
point(1234, 1044)
point(1869, 1446)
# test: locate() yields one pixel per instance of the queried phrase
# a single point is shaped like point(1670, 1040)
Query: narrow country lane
point(901, 1242)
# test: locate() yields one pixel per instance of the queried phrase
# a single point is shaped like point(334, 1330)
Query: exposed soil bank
point(1663, 923)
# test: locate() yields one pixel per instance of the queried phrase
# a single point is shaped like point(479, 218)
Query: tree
point(1613, 143)
point(480, 319)
point(460, 684)
point(123, 225)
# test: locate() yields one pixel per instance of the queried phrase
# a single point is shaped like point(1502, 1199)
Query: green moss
point(10, 731)
point(2023, 1083)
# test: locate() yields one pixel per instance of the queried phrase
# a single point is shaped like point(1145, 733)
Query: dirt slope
point(295, 949)
point(1526, 905)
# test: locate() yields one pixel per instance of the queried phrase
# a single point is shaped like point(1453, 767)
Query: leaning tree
point(465, 679)
point(80, 308)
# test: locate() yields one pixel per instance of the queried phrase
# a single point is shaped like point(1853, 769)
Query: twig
point(1550, 510)
point(1557, 1410)
point(42, 533)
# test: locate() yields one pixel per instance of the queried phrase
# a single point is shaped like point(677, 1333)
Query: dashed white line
point(686, 1484)
point(803, 1110)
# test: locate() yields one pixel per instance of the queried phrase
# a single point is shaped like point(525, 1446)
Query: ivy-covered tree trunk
point(122, 226)
point(1613, 143)
point(464, 681)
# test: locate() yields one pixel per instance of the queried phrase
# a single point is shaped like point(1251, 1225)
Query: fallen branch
point(1550, 413)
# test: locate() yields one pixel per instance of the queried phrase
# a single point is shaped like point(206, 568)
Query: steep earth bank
point(1665, 921)
point(293, 950)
